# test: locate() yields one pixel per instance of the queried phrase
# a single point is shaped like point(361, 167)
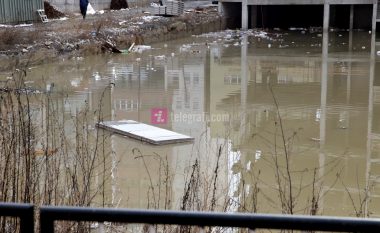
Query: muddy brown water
point(250, 100)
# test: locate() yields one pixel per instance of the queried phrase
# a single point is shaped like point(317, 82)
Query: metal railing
point(49, 214)
point(25, 212)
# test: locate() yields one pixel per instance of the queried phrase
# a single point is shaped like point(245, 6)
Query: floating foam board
point(144, 132)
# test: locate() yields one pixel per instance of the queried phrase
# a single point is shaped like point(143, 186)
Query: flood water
point(268, 111)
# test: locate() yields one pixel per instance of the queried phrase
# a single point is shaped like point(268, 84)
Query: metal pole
point(46, 221)
point(23, 211)
point(27, 220)
point(251, 221)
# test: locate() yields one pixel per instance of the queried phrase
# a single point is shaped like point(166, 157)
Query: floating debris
point(144, 132)
point(315, 139)
point(141, 48)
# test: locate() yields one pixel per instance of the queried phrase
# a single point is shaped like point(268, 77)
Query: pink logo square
point(159, 115)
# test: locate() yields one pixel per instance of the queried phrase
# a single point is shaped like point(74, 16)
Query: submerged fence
point(49, 214)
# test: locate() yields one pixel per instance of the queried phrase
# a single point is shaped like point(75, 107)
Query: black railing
point(25, 212)
point(49, 214)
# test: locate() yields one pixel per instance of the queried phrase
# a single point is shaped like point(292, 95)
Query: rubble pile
point(52, 12)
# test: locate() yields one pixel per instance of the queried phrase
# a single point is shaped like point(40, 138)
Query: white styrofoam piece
point(144, 132)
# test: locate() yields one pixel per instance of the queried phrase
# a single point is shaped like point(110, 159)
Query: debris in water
point(315, 139)
point(160, 57)
point(144, 132)
point(141, 48)
point(296, 29)
point(107, 45)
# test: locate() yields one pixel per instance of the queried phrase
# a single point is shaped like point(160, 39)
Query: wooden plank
point(144, 132)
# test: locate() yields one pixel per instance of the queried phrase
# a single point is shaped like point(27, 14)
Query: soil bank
point(26, 45)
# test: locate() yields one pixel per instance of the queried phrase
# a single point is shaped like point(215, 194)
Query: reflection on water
point(302, 132)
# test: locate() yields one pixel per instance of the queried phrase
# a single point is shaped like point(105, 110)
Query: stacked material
point(159, 10)
point(174, 7)
point(170, 7)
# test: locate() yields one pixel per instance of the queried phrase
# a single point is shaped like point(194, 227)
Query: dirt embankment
point(40, 43)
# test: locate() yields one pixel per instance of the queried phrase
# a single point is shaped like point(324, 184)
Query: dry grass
point(41, 161)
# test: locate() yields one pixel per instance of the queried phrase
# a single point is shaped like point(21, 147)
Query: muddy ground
point(39, 43)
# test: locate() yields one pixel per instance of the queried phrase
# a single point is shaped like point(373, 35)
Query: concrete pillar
point(323, 110)
point(221, 7)
point(370, 114)
point(374, 17)
point(326, 17)
point(351, 17)
point(253, 16)
point(244, 15)
point(244, 87)
point(324, 78)
point(351, 28)
point(244, 70)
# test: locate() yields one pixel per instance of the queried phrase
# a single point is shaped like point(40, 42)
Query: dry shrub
point(32, 36)
point(8, 37)
point(43, 163)
point(138, 39)
point(91, 49)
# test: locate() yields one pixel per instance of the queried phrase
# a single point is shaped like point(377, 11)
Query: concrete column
point(370, 114)
point(374, 17)
point(221, 8)
point(323, 109)
point(351, 17)
point(244, 87)
point(324, 78)
point(244, 15)
point(253, 16)
point(326, 17)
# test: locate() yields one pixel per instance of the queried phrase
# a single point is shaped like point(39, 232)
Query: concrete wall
point(73, 5)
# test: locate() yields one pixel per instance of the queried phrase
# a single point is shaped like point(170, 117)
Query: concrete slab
point(144, 132)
